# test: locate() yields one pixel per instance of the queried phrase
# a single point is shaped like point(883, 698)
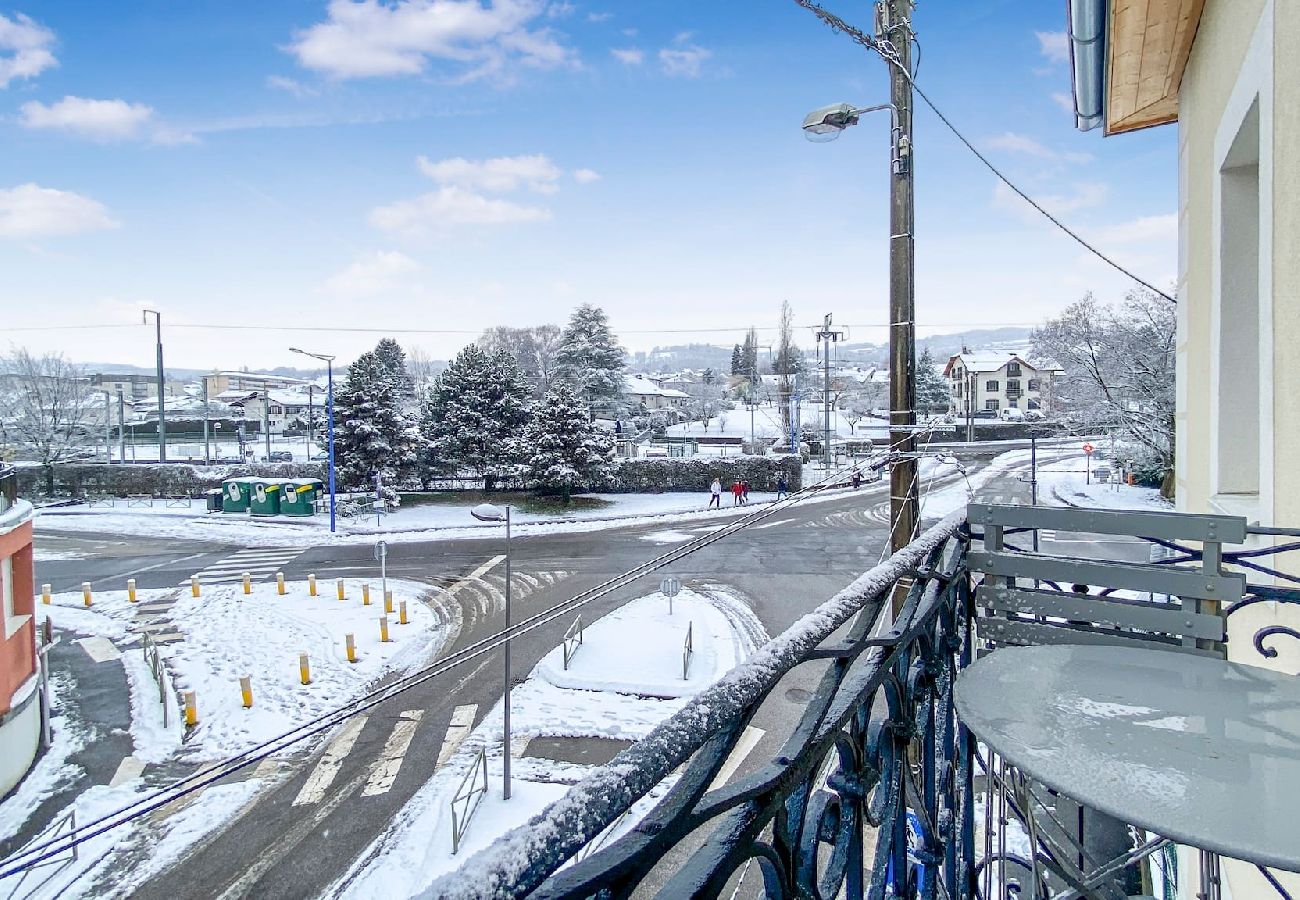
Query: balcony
point(886, 785)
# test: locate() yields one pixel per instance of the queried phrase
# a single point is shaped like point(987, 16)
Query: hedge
point(696, 473)
point(161, 480)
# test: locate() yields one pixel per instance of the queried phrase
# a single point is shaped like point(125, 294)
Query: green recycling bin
point(236, 494)
point(299, 496)
point(266, 498)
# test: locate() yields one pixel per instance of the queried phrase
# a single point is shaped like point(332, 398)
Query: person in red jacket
point(737, 489)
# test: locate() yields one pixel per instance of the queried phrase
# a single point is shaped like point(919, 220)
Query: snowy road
point(305, 830)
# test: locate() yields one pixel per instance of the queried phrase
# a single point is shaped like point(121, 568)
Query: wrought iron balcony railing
point(876, 789)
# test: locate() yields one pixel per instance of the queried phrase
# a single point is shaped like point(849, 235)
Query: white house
point(640, 389)
point(996, 382)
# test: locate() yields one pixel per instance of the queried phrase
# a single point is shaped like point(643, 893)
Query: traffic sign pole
point(670, 587)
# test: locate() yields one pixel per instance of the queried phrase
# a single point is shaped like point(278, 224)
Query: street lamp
point(488, 512)
point(826, 124)
point(329, 406)
point(162, 414)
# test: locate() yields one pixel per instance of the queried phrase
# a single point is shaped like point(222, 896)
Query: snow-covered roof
point(673, 394)
point(985, 361)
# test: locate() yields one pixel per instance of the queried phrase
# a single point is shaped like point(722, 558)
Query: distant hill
point(941, 346)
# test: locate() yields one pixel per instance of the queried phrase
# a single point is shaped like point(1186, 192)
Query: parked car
point(1012, 414)
point(984, 414)
point(1102, 474)
point(280, 456)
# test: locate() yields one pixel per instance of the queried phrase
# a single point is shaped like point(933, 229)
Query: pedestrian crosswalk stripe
point(99, 649)
point(330, 762)
point(385, 770)
point(259, 563)
point(462, 720)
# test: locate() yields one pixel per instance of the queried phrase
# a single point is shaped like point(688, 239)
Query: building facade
point(20, 714)
point(995, 382)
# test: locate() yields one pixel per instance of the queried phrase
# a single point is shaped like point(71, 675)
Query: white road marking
point(749, 739)
point(462, 720)
point(100, 649)
point(330, 762)
point(385, 770)
point(128, 768)
point(266, 768)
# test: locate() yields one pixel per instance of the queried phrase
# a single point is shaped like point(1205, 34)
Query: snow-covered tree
point(1118, 365)
point(373, 430)
point(737, 361)
point(932, 391)
point(860, 399)
point(565, 450)
point(590, 360)
point(45, 408)
point(534, 348)
point(392, 361)
point(475, 415)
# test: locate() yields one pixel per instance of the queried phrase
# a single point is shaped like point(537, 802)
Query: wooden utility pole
point(895, 27)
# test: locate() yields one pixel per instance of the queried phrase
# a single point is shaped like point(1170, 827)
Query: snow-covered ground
point(624, 680)
point(1066, 483)
point(735, 423)
point(229, 635)
point(223, 447)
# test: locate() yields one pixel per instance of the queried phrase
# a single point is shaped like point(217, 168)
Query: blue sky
point(455, 164)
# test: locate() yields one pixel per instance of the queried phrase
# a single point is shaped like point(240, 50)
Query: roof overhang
point(1127, 59)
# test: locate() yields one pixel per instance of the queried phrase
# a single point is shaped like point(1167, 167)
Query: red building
point(20, 714)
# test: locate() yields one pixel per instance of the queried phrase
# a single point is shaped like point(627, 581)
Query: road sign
point(1087, 448)
point(381, 549)
point(670, 587)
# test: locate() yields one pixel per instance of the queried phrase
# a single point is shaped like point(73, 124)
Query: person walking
point(782, 488)
point(735, 493)
point(857, 479)
point(715, 494)
point(744, 493)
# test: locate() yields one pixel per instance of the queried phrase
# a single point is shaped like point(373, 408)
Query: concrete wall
point(20, 735)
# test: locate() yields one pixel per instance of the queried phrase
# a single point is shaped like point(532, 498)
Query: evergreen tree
point(749, 357)
point(738, 361)
point(476, 414)
point(931, 390)
point(373, 433)
point(591, 361)
point(566, 451)
point(392, 361)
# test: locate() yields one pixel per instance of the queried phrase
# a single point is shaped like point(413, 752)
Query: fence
point(153, 659)
point(467, 798)
point(572, 641)
point(688, 650)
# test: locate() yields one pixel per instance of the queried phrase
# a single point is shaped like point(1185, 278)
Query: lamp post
point(487, 512)
point(329, 412)
point(826, 124)
point(162, 413)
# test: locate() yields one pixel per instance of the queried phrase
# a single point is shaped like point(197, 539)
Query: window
point(990, 404)
point(990, 385)
point(1013, 369)
point(1034, 404)
point(1013, 388)
point(7, 588)
point(1033, 384)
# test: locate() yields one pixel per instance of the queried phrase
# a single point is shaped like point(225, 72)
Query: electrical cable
point(890, 56)
point(31, 857)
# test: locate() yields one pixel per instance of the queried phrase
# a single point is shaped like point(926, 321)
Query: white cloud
point(367, 38)
point(1064, 100)
point(24, 48)
point(599, 17)
point(98, 120)
point(290, 86)
point(31, 211)
point(1144, 229)
point(683, 62)
point(561, 10)
point(503, 173)
point(1082, 195)
point(371, 274)
point(1023, 144)
point(628, 56)
point(449, 207)
point(1055, 45)
point(585, 176)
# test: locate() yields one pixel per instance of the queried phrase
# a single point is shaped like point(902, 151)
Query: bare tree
point(1118, 370)
point(533, 348)
point(45, 407)
point(784, 365)
point(860, 400)
point(423, 370)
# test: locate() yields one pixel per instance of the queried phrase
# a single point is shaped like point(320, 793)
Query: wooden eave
point(1147, 43)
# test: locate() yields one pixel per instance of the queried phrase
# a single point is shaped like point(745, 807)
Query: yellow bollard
point(388, 601)
point(341, 594)
point(365, 595)
point(191, 709)
point(352, 648)
point(45, 594)
point(85, 592)
point(401, 607)
point(248, 583)
point(304, 668)
point(311, 585)
point(383, 629)
point(130, 589)
point(246, 689)
point(279, 583)
point(194, 585)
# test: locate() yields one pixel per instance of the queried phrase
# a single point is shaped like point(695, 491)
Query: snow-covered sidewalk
point(1065, 482)
point(624, 679)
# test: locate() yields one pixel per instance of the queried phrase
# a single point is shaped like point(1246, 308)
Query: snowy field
point(1065, 482)
point(734, 423)
point(226, 635)
point(625, 679)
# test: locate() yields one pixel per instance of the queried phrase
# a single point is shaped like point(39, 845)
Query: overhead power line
point(886, 52)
